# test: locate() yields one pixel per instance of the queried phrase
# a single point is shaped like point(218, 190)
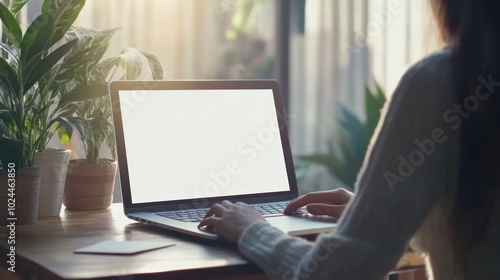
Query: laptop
point(184, 145)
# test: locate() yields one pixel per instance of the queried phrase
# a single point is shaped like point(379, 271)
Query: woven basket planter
point(89, 186)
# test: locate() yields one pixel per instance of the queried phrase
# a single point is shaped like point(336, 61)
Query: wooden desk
point(45, 251)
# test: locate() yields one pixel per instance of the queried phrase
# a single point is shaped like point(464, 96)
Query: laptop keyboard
point(196, 215)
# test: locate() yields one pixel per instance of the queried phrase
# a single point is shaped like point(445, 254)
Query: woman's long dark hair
point(472, 27)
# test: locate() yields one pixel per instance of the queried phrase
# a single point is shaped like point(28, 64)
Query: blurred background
point(324, 53)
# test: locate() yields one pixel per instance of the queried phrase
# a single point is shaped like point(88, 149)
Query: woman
point(430, 174)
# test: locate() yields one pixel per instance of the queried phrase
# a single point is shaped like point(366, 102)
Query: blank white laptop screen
point(186, 144)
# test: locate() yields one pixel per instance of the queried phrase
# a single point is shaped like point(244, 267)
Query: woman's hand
point(230, 220)
point(331, 203)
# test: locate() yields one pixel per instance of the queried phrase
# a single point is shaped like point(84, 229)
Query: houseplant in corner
point(90, 181)
point(351, 138)
point(26, 57)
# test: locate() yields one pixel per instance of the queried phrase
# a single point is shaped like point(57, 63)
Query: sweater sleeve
point(406, 172)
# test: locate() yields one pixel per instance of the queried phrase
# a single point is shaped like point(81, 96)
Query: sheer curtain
point(181, 33)
point(347, 45)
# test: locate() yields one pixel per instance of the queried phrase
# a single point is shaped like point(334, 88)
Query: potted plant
point(54, 163)
point(27, 59)
point(58, 83)
point(90, 181)
point(352, 135)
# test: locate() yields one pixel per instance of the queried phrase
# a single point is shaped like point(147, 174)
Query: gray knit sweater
point(403, 191)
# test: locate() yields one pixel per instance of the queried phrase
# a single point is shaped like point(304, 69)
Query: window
point(193, 39)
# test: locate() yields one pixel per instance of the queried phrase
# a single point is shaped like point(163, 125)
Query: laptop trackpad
point(303, 225)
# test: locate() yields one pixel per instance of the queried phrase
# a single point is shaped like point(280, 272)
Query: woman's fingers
point(210, 222)
point(230, 220)
point(212, 217)
point(226, 203)
point(216, 209)
point(326, 209)
point(337, 196)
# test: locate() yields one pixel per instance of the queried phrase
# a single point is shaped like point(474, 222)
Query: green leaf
point(35, 39)
point(319, 158)
point(380, 96)
point(371, 110)
point(132, 63)
point(99, 128)
point(3, 110)
point(9, 77)
point(65, 13)
point(104, 68)
point(84, 93)
point(43, 108)
point(154, 65)
point(47, 6)
point(63, 135)
point(71, 124)
point(67, 110)
point(352, 129)
point(3, 115)
point(373, 107)
point(30, 66)
point(82, 59)
point(350, 140)
point(110, 142)
point(11, 26)
point(334, 165)
point(130, 60)
point(89, 37)
point(46, 64)
point(16, 6)
point(13, 54)
point(3, 127)
point(6, 116)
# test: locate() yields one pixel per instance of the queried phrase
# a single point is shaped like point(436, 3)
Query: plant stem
point(92, 154)
point(25, 161)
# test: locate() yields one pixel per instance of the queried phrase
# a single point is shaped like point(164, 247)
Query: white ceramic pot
point(54, 163)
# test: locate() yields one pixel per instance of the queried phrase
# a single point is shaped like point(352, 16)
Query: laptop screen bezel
point(114, 90)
